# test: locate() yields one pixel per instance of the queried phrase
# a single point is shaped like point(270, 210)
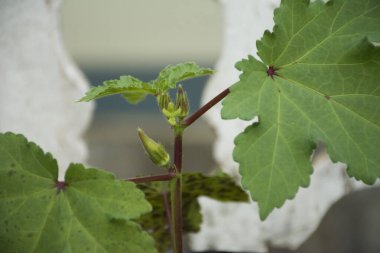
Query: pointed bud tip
point(163, 100)
point(182, 102)
point(155, 151)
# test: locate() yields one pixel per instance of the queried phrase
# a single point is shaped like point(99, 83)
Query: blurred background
point(126, 38)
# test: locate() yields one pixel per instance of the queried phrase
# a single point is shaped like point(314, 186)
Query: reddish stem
point(177, 193)
point(178, 152)
point(176, 190)
point(190, 120)
point(146, 179)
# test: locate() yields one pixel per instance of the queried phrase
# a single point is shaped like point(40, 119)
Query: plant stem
point(176, 182)
point(146, 179)
point(190, 120)
point(176, 193)
point(178, 151)
point(167, 211)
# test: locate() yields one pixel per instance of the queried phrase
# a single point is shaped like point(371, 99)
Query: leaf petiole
point(146, 179)
point(196, 115)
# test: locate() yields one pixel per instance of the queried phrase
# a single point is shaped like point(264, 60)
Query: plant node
point(60, 185)
point(271, 71)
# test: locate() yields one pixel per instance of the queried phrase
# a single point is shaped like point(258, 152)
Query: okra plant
point(317, 79)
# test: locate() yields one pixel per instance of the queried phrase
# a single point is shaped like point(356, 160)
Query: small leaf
point(135, 90)
point(172, 74)
point(134, 97)
point(132, 89)
point(319, 81)
point(220, 187)
point(89, 212)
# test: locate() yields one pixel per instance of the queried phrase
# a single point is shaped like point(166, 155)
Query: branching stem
point(174, 208)
point(192, 118)
point(176, 182)
point(154, 178)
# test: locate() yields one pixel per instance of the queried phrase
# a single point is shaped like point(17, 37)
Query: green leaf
point(132, 89)
point(325, 87)
point(89, 212)
point(172, 74)
point(220, 187)
point(135, 90)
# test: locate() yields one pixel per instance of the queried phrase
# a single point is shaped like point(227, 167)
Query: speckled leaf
point(220, 187)
point(89, 212)
point(319, 80)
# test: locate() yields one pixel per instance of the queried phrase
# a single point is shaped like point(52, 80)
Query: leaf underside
point(219, 187)
point(319, 80)
point(90, 212)
point(135, 90)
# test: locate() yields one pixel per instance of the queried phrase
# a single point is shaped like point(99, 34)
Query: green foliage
point(90, 212)
point(319, 81)
point(172, 74)
point(135, 90)
point(220, 187)
point(132, 89)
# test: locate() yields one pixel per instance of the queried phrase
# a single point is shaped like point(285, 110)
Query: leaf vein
point(292, 38)
point(355, 113)
point(350, 137)
point(40, 230)
point(330, 36)
point(84, 228)
point(336, 16)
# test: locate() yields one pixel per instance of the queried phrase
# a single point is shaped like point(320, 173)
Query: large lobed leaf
point(90, 212)
point(326, 87)
point(219, 187)
point(135, 90)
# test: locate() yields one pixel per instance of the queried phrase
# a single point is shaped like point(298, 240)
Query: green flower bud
point(182, 102)
point(171, 108)
point(163, 100)
point(171, 112)
point(154, 150)
point(172, 121)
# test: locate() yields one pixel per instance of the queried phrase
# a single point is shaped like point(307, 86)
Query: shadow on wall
point(346, 228)
point(352, 225)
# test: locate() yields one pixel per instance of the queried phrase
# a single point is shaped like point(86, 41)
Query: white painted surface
point(38, 82)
